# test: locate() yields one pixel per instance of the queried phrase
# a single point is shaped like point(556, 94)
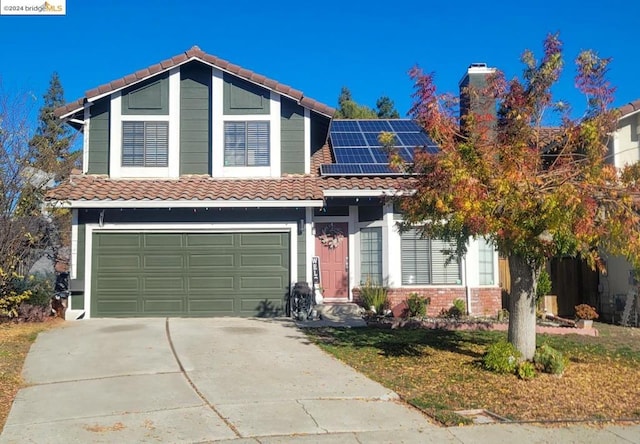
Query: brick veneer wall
point(484, 300)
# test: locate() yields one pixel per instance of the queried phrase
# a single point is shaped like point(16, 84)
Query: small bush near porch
point(440, 372)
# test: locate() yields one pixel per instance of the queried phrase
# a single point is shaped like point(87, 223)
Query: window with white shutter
point(246, 144)
point(426, 261)
point(145, 144)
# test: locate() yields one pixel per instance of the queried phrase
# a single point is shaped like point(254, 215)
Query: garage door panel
point(118, 262)
point(115, 307)
point(164, 261)
point(211, 260)
point(254, 283)
point(264, 240)
point(162, 306)
point(209, 283)
point(118, 283)
point(163, 240)
point(263, 306)
point(130, 240)
point(189, 274)
point(261, 260)
point(211, 306)
point(163, 283)
point(207, 240)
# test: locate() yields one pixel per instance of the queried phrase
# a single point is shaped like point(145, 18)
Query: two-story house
point(208, 189)
point(618, 286)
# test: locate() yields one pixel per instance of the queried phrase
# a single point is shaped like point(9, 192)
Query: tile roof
point(195, 53)
point(206, 188)
point(629, 108)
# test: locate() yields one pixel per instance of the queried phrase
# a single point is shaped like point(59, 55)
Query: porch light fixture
point(300, 226)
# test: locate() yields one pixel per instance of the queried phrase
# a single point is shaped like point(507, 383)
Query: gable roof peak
point(193, 53)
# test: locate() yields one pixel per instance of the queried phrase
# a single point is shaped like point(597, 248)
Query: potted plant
point(585, 314)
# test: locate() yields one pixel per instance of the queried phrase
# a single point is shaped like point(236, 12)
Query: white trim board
point(190, 203)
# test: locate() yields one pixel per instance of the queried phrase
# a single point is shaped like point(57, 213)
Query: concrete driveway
point(195, 380)
point(241, 380)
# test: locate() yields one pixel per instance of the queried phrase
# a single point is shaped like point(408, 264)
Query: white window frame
point(459, 262)
point(246, 143)
point(145, 141)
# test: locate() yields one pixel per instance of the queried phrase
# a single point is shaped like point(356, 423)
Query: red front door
point(332, 247)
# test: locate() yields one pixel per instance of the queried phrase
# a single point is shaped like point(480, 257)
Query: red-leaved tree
point(533, 192)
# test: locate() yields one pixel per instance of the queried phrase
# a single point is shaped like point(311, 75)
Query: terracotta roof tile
point(629, 108)
point(205, 188)
point(197, 53)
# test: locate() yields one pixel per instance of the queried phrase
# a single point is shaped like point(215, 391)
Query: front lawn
point(15, 341)
point(439, 372)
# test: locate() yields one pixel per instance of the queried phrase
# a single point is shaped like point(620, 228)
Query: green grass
point(440, 372)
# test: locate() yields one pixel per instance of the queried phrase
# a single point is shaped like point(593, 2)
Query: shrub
point(526, 370)
point(11, 296)
point(586, 312)
point(40, 286)
point(501, 357)
point(550, 360)
point(544, 285)
point(457, 310)
point(374, 295)
point(417, 306)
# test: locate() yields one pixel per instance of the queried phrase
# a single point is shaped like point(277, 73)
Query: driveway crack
point(304, 408)
point(193, 386)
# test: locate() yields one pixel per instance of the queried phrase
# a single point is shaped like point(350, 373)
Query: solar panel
point(347, 139)
point(375, 125)
point(345, 126)
point(358, 152)
point(354, 169)
point(340, 169)
point(380, 154)
point(414, 139)
point(354, 155)
point(404, 126)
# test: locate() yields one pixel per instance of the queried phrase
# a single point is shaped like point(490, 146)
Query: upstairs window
point(145, 144)
point(426, 261)
point(246, 144)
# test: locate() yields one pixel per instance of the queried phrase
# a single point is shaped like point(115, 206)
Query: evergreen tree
point(348, 109)
point(386, 108)
point(50, 146)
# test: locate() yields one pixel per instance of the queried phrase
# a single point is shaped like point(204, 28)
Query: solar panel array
point(358, 151)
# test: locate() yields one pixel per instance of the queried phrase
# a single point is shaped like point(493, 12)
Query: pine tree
point(50, 146)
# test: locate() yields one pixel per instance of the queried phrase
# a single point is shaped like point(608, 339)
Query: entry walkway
point(225, 379)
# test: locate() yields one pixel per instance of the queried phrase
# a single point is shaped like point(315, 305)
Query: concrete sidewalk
point(227, 379)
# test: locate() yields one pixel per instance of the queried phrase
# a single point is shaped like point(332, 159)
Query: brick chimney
point(472, 84)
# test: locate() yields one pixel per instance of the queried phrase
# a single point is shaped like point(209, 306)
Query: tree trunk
point(522, 305)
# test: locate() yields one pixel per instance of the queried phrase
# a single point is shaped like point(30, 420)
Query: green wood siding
point(242, 97)
point(150, 97)
point(77, 300)
point(189, 274)
point(319, 131)
point(292, 137)
point(99, 137)
point(195, 119)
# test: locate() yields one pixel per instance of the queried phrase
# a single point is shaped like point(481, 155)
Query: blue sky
point(318, 47)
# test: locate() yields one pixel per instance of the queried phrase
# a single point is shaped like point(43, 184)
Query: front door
point(332, 247)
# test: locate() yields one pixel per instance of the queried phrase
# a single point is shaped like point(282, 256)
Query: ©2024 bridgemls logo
point(33, 7)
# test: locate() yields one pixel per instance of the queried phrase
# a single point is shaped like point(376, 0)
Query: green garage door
point(189, 274)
